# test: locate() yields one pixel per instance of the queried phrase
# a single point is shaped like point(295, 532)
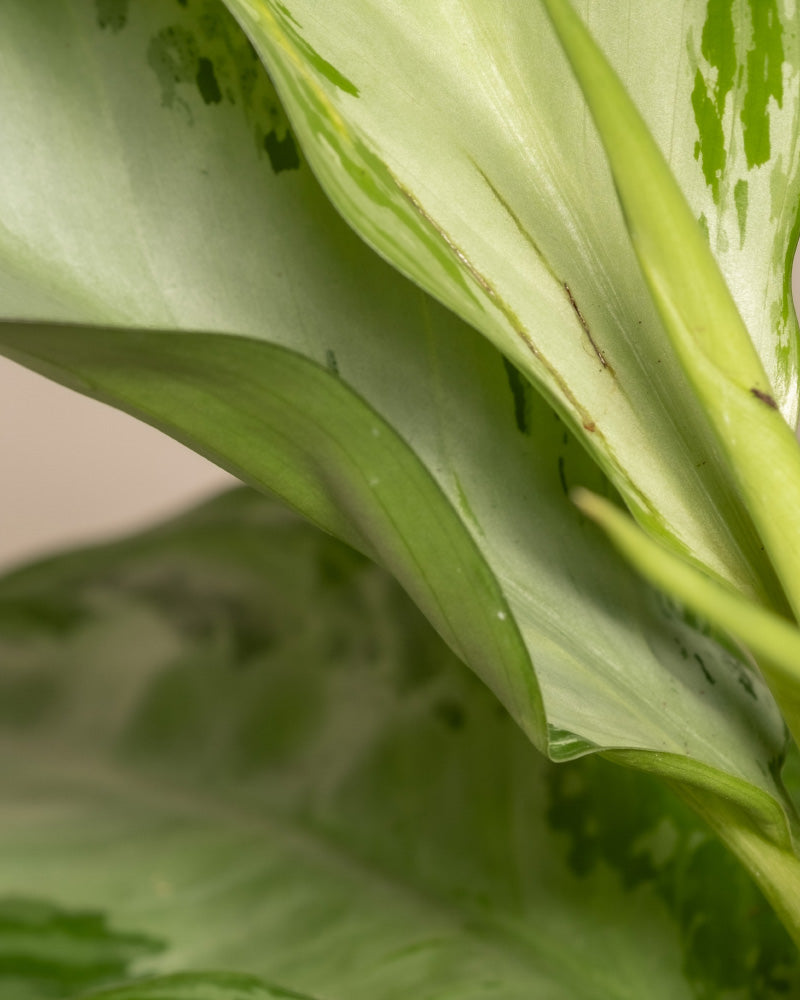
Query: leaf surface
point(699, 314)
point(334, 382)
point(282, 772)
point(474, 166)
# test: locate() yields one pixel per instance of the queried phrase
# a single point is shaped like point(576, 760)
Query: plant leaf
point(282, 771)
point(290, 427)
point(702, 320)
point(474, 167)
point(469, 470)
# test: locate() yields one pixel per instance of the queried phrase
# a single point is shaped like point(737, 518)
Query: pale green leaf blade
point(492, 464)
point(477, 171)
point(294, 429)
point(685, 281)
point(238, 746)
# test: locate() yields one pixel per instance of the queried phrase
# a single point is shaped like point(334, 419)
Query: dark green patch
point(718, 45)
point(173, 56)
point(282, 152)
point(759, 76)
point(719, 48)
point(562, 476)
point(112, 14)
point(338, 567)
point(287, 13)
point(331, 363)
point(651, 840)
point(519, 393)
point(202, 717)
point(450, 713)
point(710, 147)
point(764, 79)
point(421, 663)
point(699, 659)
point(202, 614)
point(310, 54)
point(207, 81)
point(746, 683)
point(49, 952)
point(39, 615)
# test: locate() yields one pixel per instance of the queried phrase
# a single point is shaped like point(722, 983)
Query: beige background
point(73, 470)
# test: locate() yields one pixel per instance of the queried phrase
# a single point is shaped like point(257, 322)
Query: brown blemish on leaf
point(586, 330)
point(537, 250)
point(764, 397)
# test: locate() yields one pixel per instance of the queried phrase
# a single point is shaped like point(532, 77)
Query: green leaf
point(702, 320)
point(250, 752)
point(474, 166)
point(317, 346)
point(46, 951)
point(684, 279)
point(773, 641)
point(297, 422)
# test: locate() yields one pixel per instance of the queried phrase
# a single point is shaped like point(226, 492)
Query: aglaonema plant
point(580, 302)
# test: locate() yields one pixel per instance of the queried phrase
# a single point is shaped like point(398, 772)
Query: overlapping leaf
point(473, 165)
point(284, 773)
point(704, 326)
point(365, 405)
point(346, 390)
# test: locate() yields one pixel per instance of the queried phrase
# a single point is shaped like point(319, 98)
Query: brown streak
point(490, 291)
point(765, 398)
point(585, 325)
